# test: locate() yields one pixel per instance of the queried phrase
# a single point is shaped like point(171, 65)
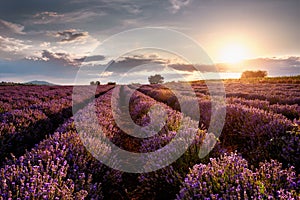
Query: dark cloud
point(94, 58)
point(127, 63)
point(72, 36)
point(192, 68)
point(183, 67)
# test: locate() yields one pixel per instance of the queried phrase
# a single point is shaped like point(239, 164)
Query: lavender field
point(43, 155)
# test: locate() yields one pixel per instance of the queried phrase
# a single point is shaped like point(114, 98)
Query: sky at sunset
point(52, 39)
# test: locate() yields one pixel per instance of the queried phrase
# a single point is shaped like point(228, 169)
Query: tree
point(156, 79)
point(95, 83)
point(111, 83)
point(254, 74)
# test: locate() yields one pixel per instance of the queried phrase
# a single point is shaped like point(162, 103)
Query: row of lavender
point(282, 99)
point(254, 132)
point(273, 93)
point(27, 111)
point(19, 97)
point(292, 112)
point(147, 112)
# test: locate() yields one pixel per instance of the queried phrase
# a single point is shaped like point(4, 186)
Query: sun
point(233, 53)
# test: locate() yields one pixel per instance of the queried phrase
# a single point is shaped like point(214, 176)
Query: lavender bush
point(229, 177)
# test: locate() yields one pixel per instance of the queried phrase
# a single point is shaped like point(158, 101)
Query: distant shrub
point(254, 74)
point(111, 83)
point(156, 79)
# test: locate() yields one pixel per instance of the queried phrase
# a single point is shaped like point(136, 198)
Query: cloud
point(275, 65)
point(128, 6)
point(47, 17)
point(293, 60)
point(59, 58)
point(131, 8)
point(54, 17)
point(72, 35)
point(261, 62)
point(45, 44)
point(12, 45)
point(46, 14)
point(178, 4)
point(9, 27)
point(106, 74)
point(64, 59)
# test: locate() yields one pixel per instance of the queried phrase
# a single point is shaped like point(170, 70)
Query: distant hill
point(38, 83)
